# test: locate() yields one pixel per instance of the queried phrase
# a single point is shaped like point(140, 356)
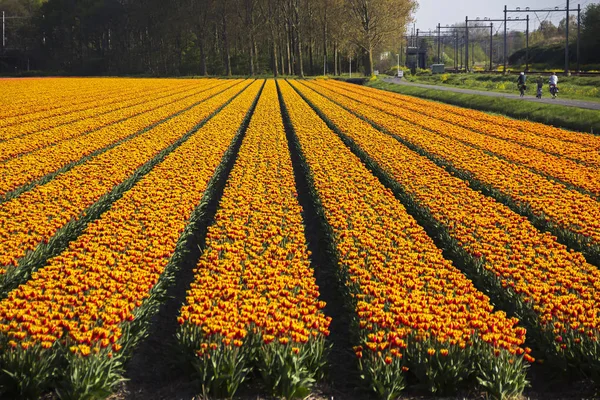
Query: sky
point(432, 12)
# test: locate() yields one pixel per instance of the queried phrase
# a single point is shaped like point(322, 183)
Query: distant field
point(290, 238)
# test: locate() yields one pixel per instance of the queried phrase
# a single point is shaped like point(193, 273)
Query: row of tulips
point(21, 100)
point(35, 165)
point(44, 132)
point(546, 131)
point(571, 215)
point(74, 323)
point(38, 217)
point(574, 151)
point(553, 290)
point(570, 172)
point(414, 310)
point(254, 302)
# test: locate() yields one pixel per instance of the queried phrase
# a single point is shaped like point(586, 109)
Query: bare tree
point(375, 21)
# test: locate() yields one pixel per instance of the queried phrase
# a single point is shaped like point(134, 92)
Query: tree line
point(202, 37)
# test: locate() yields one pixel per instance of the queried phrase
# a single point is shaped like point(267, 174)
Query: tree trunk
point(250, 28)
point(226, 54)
point(325, 43)
point(251, 59)
point(310, 57)
point(282, 60)
point(335, 59)
point(289, 56)
point(369, 60)
point(298, 38)
point(256, 63)
point(275, 67)
point(299, 59)
point(203, 70)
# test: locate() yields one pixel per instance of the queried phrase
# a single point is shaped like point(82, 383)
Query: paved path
point(547, 99)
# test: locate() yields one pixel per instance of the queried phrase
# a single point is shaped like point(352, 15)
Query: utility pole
point(439, 43)
point(567, 10)
point(456, 50)
point(567, 44)
point(467, 44)
point(3, 37)
point(491, 26)
point(505, 61)
point(578, 31)
point(418, 48)
point(527, 45)
point(491, 43)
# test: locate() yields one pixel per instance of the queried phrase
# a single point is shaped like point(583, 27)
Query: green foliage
point(386, 379)
point(91, 377)
point(26, 373)
point(393, 71)
point(502, 375)
point(590, 34)
point(218, 369)
point(442, 373)
point(290, 370)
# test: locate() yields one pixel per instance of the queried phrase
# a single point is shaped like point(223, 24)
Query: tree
point(173, 37)
point(562, 27)
point(375, 21)
point(590, 33)
point(548, 29)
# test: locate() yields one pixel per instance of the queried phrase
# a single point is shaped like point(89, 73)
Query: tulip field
point(461, 249)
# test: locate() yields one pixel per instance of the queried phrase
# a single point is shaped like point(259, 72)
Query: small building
point(438, 68)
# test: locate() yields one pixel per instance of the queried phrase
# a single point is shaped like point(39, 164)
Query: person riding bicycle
point(540, 87)
point(553, 81)
point(521, 83)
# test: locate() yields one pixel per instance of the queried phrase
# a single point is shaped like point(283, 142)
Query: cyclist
point(521, 83)
point(540, 86)
point(553, 85)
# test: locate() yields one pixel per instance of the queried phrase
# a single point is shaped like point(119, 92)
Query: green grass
point(573, 118)
point(571, 87)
